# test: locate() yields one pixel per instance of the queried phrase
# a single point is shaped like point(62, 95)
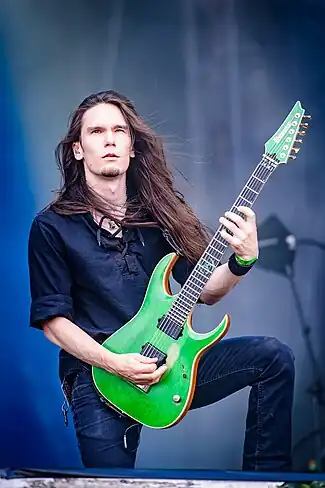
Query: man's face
point(105, 142)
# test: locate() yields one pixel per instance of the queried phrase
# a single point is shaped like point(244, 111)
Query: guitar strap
point(171, 241)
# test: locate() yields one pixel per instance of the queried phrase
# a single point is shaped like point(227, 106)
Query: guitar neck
point(216, 248)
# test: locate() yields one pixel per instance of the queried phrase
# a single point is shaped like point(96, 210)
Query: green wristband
point(242, 262)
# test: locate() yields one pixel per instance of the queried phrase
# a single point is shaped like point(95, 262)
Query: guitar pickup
point(151, 351)
point(171, 328)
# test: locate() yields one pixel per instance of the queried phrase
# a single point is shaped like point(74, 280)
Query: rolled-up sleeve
point(49, 275)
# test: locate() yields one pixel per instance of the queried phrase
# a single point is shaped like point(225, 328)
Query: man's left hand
point(244, 240)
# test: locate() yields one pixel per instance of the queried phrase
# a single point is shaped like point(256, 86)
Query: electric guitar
point(162, 328)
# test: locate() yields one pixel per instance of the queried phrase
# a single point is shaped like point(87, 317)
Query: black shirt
point(79, 271)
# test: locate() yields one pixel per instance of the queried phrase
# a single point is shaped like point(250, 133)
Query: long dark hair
point(152, 199)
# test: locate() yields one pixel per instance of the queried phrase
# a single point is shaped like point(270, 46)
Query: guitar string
point(169, 327)
point(168, 323)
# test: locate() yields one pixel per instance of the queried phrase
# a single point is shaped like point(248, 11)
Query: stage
point(29, 478)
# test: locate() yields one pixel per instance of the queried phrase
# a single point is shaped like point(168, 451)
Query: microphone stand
point(316, 389)
point(278, 248)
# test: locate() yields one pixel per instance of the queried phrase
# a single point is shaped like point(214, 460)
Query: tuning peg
point(300, 141)
point(307, 117)
point(295, 149)
point(292, 157)
point(302, 133)
point(304, 125)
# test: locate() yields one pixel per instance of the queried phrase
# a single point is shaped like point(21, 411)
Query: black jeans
point(108, 440)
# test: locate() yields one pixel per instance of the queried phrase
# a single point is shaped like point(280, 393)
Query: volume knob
point(176, 398)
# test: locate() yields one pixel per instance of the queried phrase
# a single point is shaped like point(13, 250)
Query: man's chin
point(110, 172)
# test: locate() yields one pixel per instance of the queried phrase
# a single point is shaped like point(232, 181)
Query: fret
point(202, 272)
point(213, 250)
point(245, 200)
point(198, 279)
point(188, 299)
point(251, 189)
point(198, 288)
point(182, 300)
point(173, 315)
point(224, 245)
point(185, 311)
point(208, 264)
point(255, 188)
point(189, 290)
point(170, 322)
point(235, 209)
point(220, 252)
point(178, 315)
point(267, 166)
point(250, 194)
point(259, 179)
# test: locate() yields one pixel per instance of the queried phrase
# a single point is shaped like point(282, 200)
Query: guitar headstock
point(283, 144)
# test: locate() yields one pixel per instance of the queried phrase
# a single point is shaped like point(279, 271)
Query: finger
point(145, 359)
point(140, 378)
point(142, 368)
point(233, 228)
point(234, 241)
point(238, 219)
point(149, 379)
point(248, 212)
point(160, 371)
point(158, 374)
point(153, 376)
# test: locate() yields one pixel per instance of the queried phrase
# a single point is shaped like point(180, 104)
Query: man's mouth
point(110, 155)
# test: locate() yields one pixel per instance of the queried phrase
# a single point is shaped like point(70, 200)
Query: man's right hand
point(136, 368)
point(133, 367)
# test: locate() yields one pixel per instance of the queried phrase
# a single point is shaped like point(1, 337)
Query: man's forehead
point(103, 115)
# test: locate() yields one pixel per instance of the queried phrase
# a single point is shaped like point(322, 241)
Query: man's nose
point(109, 138)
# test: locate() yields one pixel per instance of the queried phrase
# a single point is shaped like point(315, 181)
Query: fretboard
point(211, 258)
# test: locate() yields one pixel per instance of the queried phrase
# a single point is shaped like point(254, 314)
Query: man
point(91, 254)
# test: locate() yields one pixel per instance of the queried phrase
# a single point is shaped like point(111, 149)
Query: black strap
point(171, 241)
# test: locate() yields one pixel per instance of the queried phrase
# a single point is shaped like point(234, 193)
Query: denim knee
point(279, 356)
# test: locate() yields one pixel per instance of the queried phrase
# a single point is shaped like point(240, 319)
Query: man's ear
point(77, 151)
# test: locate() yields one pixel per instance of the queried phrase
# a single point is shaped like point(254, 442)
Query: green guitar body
point(165, 403)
